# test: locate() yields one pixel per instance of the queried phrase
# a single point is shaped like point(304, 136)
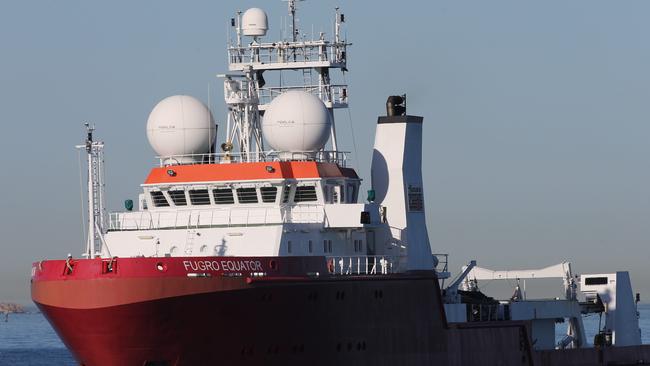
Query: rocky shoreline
point(6, 307)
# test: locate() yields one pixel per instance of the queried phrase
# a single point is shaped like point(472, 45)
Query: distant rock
point(6, 307)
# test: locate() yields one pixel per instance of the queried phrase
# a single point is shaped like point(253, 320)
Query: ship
point(262, 250)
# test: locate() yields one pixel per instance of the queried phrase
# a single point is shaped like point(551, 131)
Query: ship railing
point(487, 312)
point(338, 99)
point(341, 158)
point(150, 220)
point(304, 213)
point(441, 261)
point(266, 55)
point(366, 264)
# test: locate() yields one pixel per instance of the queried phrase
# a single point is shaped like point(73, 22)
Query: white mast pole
point(91, 198)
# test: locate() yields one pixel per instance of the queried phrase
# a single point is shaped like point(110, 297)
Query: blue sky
point(536, 116)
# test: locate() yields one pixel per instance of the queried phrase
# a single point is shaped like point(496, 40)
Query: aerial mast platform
point(246, 91)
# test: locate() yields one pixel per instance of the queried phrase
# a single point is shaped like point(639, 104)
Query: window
point(178, 197)
point(311, 246)
point(158, 199)
point(223, 196)
point(269, 194)
point(142, 202)
point(286, 194)
point(358, 246)
point(289, 246)
point(305, 194)
point(596, 281)
point(331, 192)
point(247, 195)
point(199, 197)
point(327, 246)
point(352, 193)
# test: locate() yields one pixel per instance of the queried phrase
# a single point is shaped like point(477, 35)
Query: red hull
point(242, 320)
point(140, 315)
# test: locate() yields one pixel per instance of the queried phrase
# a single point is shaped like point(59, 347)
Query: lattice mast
point(245, 89)
point(96, 207)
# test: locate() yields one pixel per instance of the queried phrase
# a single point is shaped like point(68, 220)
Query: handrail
point(288, 52)
point(149, 220)
point(443, 260)
point(324, 156)
point(365, 264)
point(339, 97)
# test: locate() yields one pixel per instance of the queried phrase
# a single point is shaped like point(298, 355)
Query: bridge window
point(158, 199)
point(269, 194)
point(223, 196)
point(247, 195)
point(178, 197)
point(199, 197)
point(305, 194)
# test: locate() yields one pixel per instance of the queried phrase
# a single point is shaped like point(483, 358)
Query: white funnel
point(397, 182)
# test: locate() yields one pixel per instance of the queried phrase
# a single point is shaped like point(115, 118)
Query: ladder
point(189, 241)
point(306, 77)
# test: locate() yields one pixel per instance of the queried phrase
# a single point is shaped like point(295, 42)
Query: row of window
point(327, 246)
point(226, 196)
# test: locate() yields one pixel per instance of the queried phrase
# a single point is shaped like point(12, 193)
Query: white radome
point(254, 22)
point(181, 125)
point(296, 121)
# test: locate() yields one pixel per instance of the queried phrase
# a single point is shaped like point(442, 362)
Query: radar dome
point(254, 22)
point(296, 121)
point(181, 125)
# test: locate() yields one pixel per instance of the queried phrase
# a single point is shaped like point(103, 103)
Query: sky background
point(536, 116)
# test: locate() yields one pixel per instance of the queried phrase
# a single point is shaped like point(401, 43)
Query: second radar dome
point(296, 121)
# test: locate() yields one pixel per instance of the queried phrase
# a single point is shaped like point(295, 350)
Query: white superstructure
point(296, 198)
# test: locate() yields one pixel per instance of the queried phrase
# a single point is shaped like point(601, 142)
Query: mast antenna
point(292, 12)
point(96, 207)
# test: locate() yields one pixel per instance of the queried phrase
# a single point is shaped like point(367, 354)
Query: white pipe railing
point(148, 220)
point(365, 264)
point(304, 51)
point(324, 156)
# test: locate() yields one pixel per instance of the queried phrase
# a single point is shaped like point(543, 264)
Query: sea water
point(28, 340)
